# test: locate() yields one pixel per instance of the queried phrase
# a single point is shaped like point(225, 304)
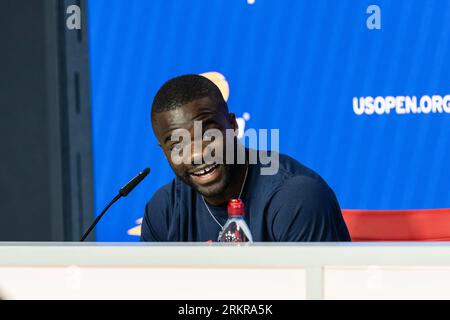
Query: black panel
point(45, 128)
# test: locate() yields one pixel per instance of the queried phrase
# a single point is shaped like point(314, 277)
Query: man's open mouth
point(205, 171)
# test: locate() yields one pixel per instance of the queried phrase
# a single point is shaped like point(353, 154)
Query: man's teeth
point(205, 171)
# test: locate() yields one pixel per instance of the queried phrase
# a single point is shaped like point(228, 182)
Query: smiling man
point(291, 204)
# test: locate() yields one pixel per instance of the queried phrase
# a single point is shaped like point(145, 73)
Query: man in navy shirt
point(293, 204)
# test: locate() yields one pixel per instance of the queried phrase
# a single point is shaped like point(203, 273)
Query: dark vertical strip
point(64, 121)
point(80, 194)
point(85, 109)
point(77, 92)
point(80, 31)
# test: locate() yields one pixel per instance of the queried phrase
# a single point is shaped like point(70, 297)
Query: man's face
point(208, 179)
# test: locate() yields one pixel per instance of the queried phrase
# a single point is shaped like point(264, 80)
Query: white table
point(214, 271)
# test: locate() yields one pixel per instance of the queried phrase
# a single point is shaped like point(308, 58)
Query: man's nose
point(197, 150)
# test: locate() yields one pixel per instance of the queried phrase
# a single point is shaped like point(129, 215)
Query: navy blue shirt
point(295, 204)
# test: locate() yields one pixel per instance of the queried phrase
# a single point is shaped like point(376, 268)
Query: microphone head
point(126, 189)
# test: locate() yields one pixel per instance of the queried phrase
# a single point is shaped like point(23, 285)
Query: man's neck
point(234, 187)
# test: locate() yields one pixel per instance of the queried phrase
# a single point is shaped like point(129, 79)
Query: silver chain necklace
point(240, 194)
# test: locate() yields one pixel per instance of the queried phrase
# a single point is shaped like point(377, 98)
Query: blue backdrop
point(293, 65)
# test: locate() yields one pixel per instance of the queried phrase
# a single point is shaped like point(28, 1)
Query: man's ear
point(233, 122)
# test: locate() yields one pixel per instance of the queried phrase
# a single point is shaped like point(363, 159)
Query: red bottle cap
point(235, 207)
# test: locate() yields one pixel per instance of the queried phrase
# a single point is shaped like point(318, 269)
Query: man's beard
point(214, 190)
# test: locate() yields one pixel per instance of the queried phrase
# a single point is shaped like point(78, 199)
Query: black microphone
point(123, 192)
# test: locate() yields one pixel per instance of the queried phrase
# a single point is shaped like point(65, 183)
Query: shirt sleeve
point(306, 209)
point(155, 224)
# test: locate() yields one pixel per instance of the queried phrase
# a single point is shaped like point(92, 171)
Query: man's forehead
point(184, 116)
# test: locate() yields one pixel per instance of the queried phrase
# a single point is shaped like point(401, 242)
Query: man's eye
point(209, 134)
point(176, 147)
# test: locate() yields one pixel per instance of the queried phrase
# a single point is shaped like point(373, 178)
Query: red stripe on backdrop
point(398, 225)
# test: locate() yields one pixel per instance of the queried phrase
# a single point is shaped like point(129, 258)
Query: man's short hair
point(184, 89)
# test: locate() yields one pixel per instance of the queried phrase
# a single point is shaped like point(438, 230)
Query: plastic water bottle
point(235, 229)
